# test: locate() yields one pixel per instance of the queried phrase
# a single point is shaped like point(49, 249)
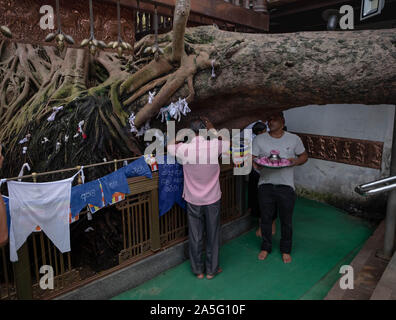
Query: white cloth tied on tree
point(175, 110)
point(163, 113)
point(24, 140)
point(53, 114)
point(46, 205)
point(132, 122)
point(151, 97)
point(25, 165)
point(213, 73)
point(45, 140)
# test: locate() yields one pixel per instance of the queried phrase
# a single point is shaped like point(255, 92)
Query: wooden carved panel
point(23, 18)
point(364, 153)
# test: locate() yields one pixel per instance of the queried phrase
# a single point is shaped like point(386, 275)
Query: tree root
point(189, 67)
point(145, 89)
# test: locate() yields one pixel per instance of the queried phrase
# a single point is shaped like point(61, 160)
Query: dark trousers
point(253, 202)
point(283, 198)
point(253, 193)
point(200, 219)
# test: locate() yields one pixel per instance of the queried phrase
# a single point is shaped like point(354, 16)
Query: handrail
point(377, 186)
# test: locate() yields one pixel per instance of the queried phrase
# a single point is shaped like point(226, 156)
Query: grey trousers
point(200, 219)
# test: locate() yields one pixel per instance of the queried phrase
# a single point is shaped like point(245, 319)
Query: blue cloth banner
point(84, 194)
point(115, 182)
point(137, 168)
point(170, 186)
point(7, 204)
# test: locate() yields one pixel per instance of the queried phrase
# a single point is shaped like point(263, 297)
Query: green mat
point(324, 238)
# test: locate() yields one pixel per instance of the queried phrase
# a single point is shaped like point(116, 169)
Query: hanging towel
point(7, 204)
point(94, 208)
point(84, 194)
point(137, 168)
point(114, 183)
point(46, 205)
point(170, 186)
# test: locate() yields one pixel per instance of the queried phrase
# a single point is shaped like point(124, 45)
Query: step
point(368, 269)
point(386, 287)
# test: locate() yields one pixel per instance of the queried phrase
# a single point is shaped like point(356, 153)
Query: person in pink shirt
point(3, 216)
point(202, 193)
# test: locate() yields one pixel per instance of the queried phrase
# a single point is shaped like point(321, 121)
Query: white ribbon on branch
point(132, 122)
point(213, 73)
point(151, 97)
point(26, 139)
point(175, 110)
point(163, 113)
point(55, 111)
point(25, 165)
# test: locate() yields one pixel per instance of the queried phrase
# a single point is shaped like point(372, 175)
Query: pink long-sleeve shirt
point(201, 168)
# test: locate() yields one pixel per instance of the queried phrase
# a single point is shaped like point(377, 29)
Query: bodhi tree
point(232, 78)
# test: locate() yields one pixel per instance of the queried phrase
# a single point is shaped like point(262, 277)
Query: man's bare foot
point(200, 276)
point(286, 258)
point(258, 232)
point(274, 227)
point(262, 255)
point(211, 276)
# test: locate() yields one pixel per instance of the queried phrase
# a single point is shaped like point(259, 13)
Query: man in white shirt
point(276, 186)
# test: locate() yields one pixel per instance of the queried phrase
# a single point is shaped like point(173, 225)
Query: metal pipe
point(367, 189)
point(380, 189)
point(377, 182)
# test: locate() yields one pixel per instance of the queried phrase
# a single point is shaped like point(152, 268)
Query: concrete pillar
point(260, 6)
point(246, 4)
point(390, 220)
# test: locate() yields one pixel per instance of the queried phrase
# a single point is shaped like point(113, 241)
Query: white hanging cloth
point(46, 205)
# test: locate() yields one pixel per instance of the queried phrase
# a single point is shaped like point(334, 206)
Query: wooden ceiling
point(278, 3)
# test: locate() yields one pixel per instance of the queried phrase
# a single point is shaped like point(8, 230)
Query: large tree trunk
point(255, 75)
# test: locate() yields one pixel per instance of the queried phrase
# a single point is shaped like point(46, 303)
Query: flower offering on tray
point(273, 161)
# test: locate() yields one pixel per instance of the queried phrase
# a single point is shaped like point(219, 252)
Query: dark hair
point(196, 124)
point(2, 150)
point(258, 127)
point(277, 114)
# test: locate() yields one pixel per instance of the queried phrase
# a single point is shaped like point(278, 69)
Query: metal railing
point(378, 186)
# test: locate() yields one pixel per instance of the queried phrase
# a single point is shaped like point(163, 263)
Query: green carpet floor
point(324, 238)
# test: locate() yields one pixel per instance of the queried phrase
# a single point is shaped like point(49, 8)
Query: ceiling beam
point(215, 9)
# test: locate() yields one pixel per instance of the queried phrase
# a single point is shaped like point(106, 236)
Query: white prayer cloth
point(46, 205)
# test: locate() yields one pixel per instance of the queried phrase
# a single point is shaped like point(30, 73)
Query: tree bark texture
point(256, 74)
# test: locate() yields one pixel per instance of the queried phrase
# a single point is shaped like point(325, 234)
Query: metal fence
point(143, 234)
